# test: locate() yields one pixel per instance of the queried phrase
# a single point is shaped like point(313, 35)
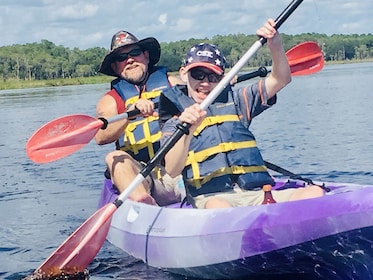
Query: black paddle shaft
point(283, 16)
point(261, 72)
point(292, 175)
point(163, 150)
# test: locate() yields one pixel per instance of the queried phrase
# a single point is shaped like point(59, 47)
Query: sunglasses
point(200, 75)
point(123, 56)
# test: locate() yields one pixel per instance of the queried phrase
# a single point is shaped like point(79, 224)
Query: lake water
point(321, 128)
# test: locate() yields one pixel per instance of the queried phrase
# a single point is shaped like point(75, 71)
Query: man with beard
point(137, 86)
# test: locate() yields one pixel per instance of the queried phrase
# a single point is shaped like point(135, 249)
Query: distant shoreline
point(100, 79)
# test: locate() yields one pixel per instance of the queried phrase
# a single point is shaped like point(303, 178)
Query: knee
point(315, 191)
point(116, 155)
point(311, 191)
point(217, 202)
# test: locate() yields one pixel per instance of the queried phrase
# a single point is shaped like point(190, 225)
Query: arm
point(175, 159)
point(107, 108)
point(280, 75)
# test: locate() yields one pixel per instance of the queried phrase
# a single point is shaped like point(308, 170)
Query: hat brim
point(207, 65)
point(152, 46)
point(148, 44)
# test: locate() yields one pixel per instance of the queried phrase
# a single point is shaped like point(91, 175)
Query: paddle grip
point(261, 72)
point(127, 115)
point(283, 16)
point(133, 113)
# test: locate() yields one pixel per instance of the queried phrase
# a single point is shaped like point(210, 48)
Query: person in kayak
point(137, 85)
point(219, 158)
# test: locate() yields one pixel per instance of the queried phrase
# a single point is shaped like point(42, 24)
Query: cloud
point(91, 23)
point(163, 19)
point(76, 11)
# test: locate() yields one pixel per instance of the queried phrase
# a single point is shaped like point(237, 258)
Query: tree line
point(45, 60)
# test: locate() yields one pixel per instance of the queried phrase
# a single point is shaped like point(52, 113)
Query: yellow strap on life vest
point(129, 138)
point(144, 95)
point(197, 182)
point(195, 158)
point(135, 145)
point(212, 120)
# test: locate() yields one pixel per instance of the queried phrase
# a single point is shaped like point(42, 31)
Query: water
point(320, 129)
point(321, 125)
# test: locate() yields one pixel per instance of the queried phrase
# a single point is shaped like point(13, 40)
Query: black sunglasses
point(200, 75)
point(123, 56)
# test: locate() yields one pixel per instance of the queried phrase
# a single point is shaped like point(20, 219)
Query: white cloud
point(76, 11)
point(162, 19)
point(91, 23)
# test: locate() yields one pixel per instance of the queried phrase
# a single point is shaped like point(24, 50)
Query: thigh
point(244, 197)
point(166, 190)
point(250, 198)
point(283, 195)
point(236, 198)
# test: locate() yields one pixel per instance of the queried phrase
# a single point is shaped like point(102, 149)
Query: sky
point(86, 24)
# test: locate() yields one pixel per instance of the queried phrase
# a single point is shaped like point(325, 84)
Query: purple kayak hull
point(326, 237)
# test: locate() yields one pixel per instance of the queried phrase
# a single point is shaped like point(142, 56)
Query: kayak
point(324, 237)
point(181, 240)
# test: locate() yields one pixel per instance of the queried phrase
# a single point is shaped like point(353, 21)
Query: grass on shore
point(20, 84)
point(100, 79)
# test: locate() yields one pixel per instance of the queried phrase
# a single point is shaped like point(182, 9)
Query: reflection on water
point(319, 129)
point(59, 275)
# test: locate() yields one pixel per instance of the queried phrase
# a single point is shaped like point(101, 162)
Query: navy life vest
point(223, 151)
point(141, 136)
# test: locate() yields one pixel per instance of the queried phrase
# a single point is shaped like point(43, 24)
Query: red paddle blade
point(61, 137)
point(81, 247)
point(305, 58)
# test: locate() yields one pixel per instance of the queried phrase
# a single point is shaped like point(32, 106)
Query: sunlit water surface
point(321, 128)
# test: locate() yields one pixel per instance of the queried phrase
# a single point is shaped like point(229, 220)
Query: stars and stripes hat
point(205, 55)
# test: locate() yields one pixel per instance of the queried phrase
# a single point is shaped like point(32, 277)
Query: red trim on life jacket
point(118, 100)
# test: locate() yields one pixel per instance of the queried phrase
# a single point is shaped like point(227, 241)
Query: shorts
point(239, 197)
point(165, 190)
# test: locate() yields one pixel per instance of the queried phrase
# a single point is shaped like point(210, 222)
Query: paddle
point(304, 59)
point(292, 175)
point(82, 246)
point(63, 136)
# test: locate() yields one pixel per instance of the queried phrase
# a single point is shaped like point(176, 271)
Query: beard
point(135, 75)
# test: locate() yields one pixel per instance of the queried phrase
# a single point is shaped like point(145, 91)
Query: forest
point(45, 60)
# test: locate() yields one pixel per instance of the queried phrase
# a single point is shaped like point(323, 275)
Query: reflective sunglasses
point(200, 75)
point(123, 56)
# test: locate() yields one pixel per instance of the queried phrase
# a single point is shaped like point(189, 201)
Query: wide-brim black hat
point(124, 38)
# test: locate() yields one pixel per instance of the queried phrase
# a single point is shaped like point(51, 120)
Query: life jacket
point(223, 151)
point(141, 136)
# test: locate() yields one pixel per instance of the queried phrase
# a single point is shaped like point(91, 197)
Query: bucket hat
point(125, 38)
